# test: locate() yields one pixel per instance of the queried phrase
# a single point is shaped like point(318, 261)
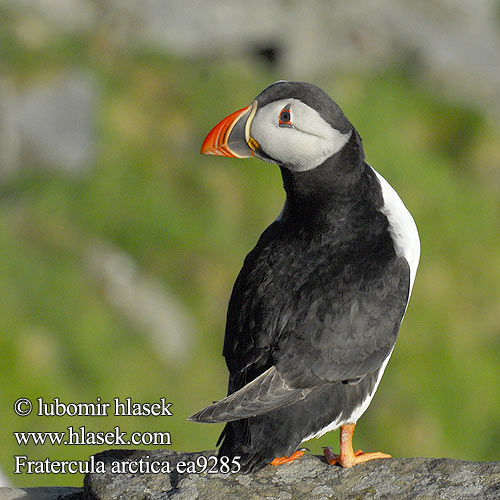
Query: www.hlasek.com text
point(80, 436)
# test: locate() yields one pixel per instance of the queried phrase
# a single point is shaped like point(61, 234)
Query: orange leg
point(291, 458)
point(347, 457)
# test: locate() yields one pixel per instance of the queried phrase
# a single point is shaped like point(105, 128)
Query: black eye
point(285, 117)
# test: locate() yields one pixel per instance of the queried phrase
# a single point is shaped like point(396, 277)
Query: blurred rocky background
point(119, 244)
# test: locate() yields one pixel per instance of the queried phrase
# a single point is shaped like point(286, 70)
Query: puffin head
point(293, 124)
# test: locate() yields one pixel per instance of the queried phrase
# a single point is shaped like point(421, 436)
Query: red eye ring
point(285, 117)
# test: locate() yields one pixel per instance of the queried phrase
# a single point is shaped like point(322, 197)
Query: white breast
point(401, 226)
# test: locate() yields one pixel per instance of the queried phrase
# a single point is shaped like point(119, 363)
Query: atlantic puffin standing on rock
point(316, 309)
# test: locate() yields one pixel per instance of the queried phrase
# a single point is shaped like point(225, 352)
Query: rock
point(48, 493)
point(9, 135)
point(143, 301)
point(455, 41)
point(56, 123)
point(309, 478)
point(49, 124)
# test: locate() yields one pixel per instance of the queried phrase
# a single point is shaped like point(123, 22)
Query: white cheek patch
point(305, 146)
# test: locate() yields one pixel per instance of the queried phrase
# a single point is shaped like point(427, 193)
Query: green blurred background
point(115, 273)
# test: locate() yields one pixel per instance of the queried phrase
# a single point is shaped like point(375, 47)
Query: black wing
point(318, 310)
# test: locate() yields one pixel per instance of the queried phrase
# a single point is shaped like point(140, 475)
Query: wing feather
point(262, 395)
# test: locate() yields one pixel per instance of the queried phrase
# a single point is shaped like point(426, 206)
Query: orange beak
point(231, 136)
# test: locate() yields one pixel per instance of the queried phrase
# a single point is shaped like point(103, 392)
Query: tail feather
point(265, 393)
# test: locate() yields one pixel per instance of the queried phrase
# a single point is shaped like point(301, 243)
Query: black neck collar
point(335, 181)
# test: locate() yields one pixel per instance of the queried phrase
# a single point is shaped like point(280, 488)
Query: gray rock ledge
point(41, 493)
point(310, 477)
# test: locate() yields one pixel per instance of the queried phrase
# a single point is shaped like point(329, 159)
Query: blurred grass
point(189, 221)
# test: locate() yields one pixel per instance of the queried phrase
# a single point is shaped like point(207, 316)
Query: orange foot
point(347, 457)
point(358, 457)
point(291, 458)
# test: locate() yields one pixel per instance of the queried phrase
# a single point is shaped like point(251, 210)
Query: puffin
point(316, 308)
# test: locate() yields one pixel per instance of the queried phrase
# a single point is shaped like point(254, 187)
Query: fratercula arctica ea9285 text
point(315, 310)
